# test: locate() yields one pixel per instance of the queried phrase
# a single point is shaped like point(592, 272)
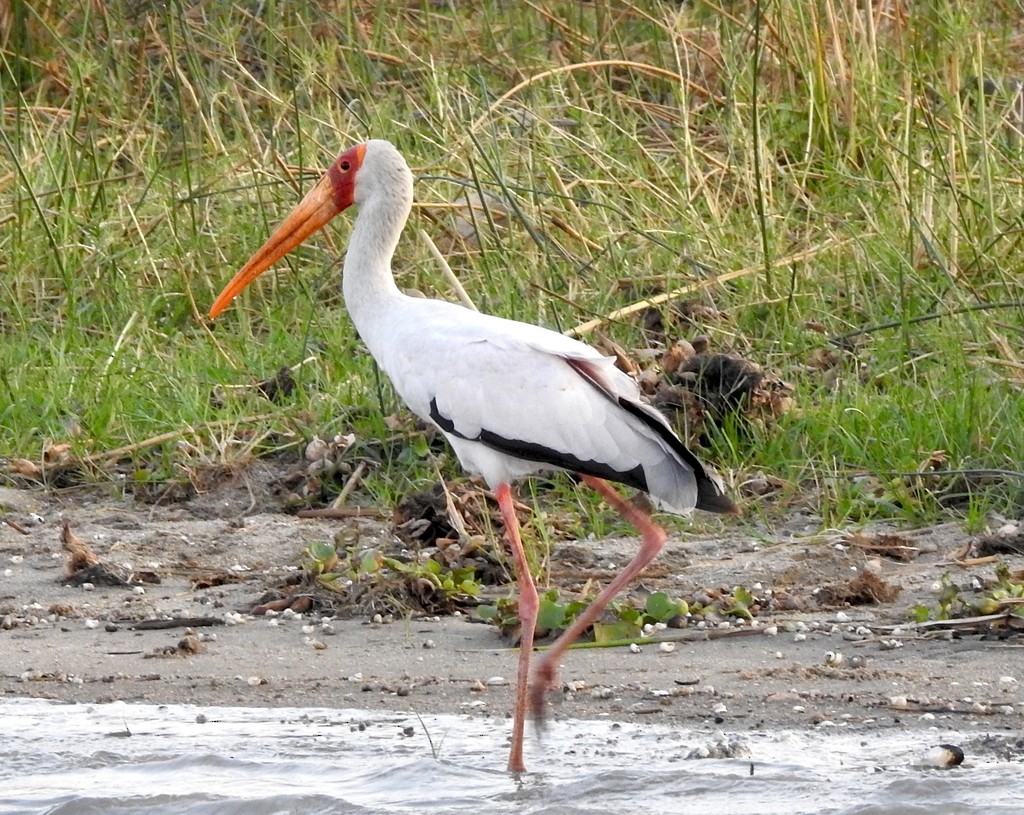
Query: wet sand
point(69, 643)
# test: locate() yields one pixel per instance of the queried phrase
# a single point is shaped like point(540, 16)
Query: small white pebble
point(497, 680)
point(88, 587)
point(647, 630)
point(602, 693)
point(92, 623)
point(253, 681)
point(8, 572)
point(833, 659)
point(799, 709)
point(771, 630)
point(273, 622)
point(429, 644)
point(842, 616)
point(778, 655)
point(928, 717)
point(719, 709)
point(16, 559)
point(667, 647)
point(799, 637)
point(1007, 680)
point(308, 628)
point(898, 701)
point(634, 648)
point(377, 619)
point(138, 590)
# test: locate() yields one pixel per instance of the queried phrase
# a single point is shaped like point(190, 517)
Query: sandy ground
point(69, 643)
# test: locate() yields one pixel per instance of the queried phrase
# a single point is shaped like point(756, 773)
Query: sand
point(803, 667)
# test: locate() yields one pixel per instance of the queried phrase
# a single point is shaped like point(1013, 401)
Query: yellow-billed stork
point(511, 398)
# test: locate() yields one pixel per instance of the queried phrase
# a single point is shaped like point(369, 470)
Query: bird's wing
point(516, 398)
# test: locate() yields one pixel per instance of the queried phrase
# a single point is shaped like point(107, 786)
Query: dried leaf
point(22, 466)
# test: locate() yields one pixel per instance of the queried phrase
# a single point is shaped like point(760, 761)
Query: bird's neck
point(367, 280)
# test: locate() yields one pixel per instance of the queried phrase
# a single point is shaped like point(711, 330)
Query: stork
point(512, 399)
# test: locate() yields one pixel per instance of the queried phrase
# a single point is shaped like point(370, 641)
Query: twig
point(350, 484)
point(340, 513)
point(657, 299)
point(840, 339)
point(446, 270)
point(112, 455)
point(14, 525)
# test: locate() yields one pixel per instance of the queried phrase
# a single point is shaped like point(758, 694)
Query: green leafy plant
point(335, 572)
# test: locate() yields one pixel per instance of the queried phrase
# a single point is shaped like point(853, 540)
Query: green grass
point(148, 148)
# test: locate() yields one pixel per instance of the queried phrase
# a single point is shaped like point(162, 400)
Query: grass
point(841, 165)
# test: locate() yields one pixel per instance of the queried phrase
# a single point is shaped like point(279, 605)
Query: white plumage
point(511, 398)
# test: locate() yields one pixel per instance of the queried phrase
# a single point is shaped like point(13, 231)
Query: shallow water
point(76, 759)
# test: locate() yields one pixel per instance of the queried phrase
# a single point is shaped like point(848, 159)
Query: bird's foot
point(544, 678)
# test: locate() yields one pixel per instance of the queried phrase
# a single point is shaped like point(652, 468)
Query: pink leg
point(653, 540)
point(528, 605)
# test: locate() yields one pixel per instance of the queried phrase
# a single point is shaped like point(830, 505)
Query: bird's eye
point(346, 166)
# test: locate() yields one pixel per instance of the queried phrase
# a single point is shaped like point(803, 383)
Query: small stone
point(88, 587)
point(634, 648)
point(477, 686)
point(254, 681)
point(139, 590)
point(1008, 680)
point(602, 693)
point(771, 630)
point(842, 616)
point(667, 647)
point(110, 628)
point(495, 681)
point(201, 718)
point(92, 623)
point(799, 637)
point(833, 659)
point(944, 756)
point(429, 644)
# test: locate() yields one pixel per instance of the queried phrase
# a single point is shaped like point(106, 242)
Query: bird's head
point(354, 177)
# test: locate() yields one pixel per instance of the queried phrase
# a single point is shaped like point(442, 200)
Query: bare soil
point(216, 553)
